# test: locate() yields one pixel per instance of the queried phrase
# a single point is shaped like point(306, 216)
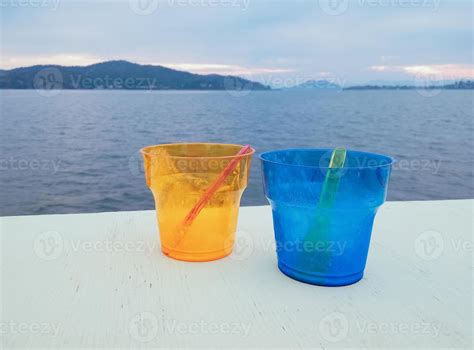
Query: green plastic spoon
point(319, 232)
point(331, 182)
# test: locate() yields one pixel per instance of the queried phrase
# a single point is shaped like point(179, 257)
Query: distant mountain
point(316, 84)
point(382, 87)
point(387, 83)
point(119, 75)
point(462, 84)
point(457, 85)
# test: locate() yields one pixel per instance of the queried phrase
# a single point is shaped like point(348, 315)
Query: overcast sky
point(270, 41)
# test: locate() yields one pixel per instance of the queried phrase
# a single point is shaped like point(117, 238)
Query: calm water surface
point(77, 151)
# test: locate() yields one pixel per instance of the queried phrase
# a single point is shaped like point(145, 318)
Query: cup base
point(196, 257)
point(320, 280)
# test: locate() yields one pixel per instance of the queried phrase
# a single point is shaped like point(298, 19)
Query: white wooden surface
point(95, 280)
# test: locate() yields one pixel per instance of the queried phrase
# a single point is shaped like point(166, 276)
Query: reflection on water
point(78, 150)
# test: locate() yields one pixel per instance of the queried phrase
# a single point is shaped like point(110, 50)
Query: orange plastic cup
point(178, 175)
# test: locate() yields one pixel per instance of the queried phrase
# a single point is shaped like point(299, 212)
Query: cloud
point(324, 74)
point(224, 69)
point(447, 71)
point(84, 60)
point(280, 39)
point(59, 59)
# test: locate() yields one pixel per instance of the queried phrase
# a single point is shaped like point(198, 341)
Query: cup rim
point(252, 150)
point(390, 160)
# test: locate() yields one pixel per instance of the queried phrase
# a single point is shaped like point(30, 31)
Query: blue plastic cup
point(319, 243)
